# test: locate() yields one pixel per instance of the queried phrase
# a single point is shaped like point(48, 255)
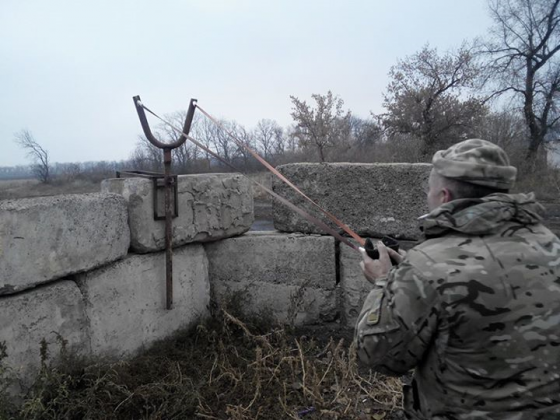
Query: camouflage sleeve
point(397, 321)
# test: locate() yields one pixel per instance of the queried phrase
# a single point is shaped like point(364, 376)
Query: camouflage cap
point(477, 162)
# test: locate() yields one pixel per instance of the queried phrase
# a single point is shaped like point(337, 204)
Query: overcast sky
point(69, 68)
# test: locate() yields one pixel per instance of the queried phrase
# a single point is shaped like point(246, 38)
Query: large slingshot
point(169, 181)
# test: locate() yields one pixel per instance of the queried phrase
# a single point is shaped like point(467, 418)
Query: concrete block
point(291, 277)
point(373, 199)
point(354, 287)
point(53, 312)
point(125, 301)
point(286, 304)
point(46, 238)
point(211, 207)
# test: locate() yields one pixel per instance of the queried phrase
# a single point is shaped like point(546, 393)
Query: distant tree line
point(503, 88)
point(16, 172)
point(90, 171)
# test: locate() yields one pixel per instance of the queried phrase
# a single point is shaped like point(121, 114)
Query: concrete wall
point(43, 239)
point(46, 313)
point(373, 199)
point(65, 272)
point(103, 301)
point(111, 311)
point(295, 278)
point(125, 302)
point(211, 207)
point(290, 277)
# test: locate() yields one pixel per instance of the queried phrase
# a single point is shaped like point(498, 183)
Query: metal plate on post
point(158, 180)
point(160, 186)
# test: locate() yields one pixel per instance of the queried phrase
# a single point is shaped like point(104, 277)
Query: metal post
point(168, 229)
point(167, 147)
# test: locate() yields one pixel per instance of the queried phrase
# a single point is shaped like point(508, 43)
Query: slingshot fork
point(167, 148)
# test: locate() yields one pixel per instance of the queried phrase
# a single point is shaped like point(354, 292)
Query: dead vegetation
point(223, 369)
point(27, 188)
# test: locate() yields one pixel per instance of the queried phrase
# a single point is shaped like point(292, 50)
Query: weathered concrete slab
point(286, 304)
point(211, 207)
point(354, 287)
point(125, 302)
point(52, 313)
point(46, 238)
point(373, 199)
point(290, 277)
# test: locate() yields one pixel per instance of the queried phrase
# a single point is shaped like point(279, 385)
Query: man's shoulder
point(451, 249)
point(514, 245)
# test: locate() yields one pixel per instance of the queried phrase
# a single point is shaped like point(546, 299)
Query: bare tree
point(223, 144)
point(323, 127)
point(266, 134)
point(204, 132)
point(186, 155)
point(146, 156)
point(365, 133)
point(245, 137)
point(526, 63)
point(507, 129)
point(291, 139)
point(430, 97)
point(185, 158)
point(279, 142)
point(40, 157)
point(68, 171)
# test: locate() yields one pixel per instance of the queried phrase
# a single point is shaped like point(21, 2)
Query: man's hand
point(375, 269)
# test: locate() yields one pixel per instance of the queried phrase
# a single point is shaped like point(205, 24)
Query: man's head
point(471, 169)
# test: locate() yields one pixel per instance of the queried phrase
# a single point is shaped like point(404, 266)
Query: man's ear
point(447, 196)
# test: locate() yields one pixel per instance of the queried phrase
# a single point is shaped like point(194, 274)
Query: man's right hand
point(375, 269)
point(397, 256)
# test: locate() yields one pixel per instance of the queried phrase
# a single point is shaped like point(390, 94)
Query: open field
point(25, 188)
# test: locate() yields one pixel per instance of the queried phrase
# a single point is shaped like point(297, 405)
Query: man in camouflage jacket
point(475, 308)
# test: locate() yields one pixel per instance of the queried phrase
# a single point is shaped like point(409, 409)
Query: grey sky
point(69, 68)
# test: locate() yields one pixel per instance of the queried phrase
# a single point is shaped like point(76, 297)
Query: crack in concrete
point(87, 305)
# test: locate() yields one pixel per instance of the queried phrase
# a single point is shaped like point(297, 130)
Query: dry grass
point(225, 369)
